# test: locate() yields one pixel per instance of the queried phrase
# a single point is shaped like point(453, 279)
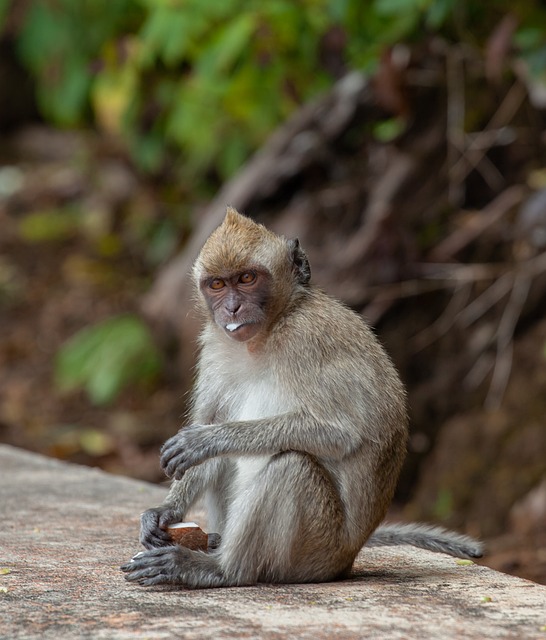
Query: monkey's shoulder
point(321, 322)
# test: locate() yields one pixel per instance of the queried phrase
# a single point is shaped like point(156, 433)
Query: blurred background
point(402, 141)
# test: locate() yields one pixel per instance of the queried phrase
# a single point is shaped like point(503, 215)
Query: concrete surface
point(66, 529)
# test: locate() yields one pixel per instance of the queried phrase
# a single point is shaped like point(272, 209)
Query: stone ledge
point(66, 529)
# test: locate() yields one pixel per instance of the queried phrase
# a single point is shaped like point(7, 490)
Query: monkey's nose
point(233, 307)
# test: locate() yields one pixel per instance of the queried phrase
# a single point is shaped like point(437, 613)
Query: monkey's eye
point(247, 278)
point(217, 284)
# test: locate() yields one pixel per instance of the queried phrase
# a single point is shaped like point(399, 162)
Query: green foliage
point(532, 43)
point(4, 6)
point(231, 72)
point(205, 82)
point(58, 42)
point(443, 507)
point(106, 357)
point(388, 130)
point(44, 226)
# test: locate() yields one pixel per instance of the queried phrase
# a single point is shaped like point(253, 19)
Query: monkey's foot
point(176, 566)
point(156, 566)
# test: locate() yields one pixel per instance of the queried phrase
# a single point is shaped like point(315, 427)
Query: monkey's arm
point(182, 495)
point(296, 431)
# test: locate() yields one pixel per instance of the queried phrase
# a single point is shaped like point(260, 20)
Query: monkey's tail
point(426, 537)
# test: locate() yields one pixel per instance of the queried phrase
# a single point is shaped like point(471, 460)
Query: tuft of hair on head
point(239, 224)
point(238, 244)
point(233, 217)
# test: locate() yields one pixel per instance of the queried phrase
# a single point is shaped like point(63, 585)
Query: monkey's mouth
point(241, 331)
point(233, 326)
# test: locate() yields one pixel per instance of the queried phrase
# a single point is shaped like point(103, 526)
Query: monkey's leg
point(287, 525)
point(182, 495)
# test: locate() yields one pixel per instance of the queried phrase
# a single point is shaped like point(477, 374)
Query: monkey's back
point(322, 341)
point(330, 358)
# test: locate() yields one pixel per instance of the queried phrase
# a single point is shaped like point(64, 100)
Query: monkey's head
point(247, 275)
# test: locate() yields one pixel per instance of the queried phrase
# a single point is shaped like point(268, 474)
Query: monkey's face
point(238, 302)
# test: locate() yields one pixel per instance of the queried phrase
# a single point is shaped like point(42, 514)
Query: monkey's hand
point(191, 446)
point(153, 527)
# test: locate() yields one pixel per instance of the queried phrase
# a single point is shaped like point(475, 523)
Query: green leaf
point(103, 359)
point(59, 41)
point(162, 242)
point(47, 226)
point(536, 59)
point(4, 6)
point(169, 32)
point(229, 42)
point(233, 154)
point(529, 37)
point(65, 99)
point(438, 13)
point(397, 7)
point(443, 506)
point(388, 130)
point(95, 442)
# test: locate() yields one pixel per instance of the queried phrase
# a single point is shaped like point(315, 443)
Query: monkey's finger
point(155, 538)
point(171, 447)
point(153, 527)
point(171, 454)
point(145, 572)
point(137, 562)
point(155, 535)
point(171, 440)
point(152, 581)
point(167, 518)
point(147, 577)
point(157, 580)
point(167, 457)
point(151, 554)
point(161, 556)
point(134, 575)
point(177, 466)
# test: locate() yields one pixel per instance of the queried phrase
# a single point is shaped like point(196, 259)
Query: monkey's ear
point(300, 263)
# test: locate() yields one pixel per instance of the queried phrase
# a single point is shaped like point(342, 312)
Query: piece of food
point(191, 536)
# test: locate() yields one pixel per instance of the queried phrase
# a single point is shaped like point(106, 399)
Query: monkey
point(297, 431)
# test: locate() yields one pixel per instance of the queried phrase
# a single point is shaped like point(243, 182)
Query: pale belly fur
point(262, 401)
point(248, 468)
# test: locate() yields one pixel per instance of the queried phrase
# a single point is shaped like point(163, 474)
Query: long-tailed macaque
point(297, 432)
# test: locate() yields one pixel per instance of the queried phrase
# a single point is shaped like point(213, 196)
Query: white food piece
point(184, 525)
point(233, 325)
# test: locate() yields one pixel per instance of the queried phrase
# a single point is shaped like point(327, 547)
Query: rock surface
point(66, 529)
